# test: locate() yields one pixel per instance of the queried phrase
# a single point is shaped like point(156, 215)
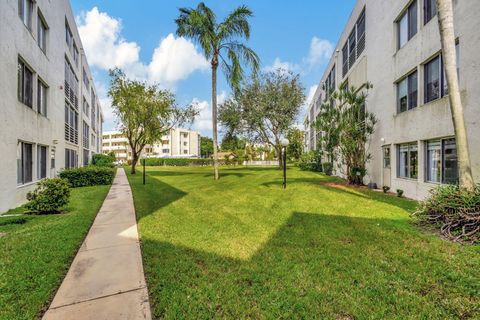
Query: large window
point(25, 11)
point(25, 84)
point(407, 163)
point(355, 44)
point(86, 82)
point(41, 98)
point(330, 83)
point(85, 157)
point(86, 135)
point(68, 36)
point(407, 24)
point(407, 92)
point(41, 32)
point(24, 162)
point(71, 84)
point(86, 108)
point(435, 81)
point(71, 124)
point(70, 158)
point(41, 162)
point(441, 161)
point(429, 10)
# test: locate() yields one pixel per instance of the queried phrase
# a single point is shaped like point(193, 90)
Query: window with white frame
point(354, 45)
point(441, 161)
point(25, 12)
point(24, 162)
point(407, 25)
point(329, 85)
point(42, 97)
point(407, 161)
point(435, 81)
point(41, 162)
point(25, 84)
point(429, 10)
point(41, 32)
point(407, 92)
point(86, 82)
point(71, 158)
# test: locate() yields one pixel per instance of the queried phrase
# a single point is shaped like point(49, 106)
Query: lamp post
point(143, 169)
point(284, 142)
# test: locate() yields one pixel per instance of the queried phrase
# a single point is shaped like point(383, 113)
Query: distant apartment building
point(178, 143)
point(50, 117)
point(395, 45)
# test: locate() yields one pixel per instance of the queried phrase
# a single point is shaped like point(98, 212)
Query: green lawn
point(244, 248)
point(36, 252)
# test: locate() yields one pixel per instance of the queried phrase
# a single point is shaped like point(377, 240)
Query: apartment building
point(178, 143)
point(395, 45)
point(50, 117)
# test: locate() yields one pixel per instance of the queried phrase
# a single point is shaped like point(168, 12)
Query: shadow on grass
point(324, 265)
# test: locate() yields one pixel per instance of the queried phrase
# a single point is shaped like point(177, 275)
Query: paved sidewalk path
point(106, 280)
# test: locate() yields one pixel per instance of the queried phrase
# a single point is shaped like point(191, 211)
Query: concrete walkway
point(106, 280)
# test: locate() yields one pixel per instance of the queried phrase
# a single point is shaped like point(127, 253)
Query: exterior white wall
point(18, 122)
point(383, 65)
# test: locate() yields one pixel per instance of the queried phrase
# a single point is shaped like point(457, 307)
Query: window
point(441, 161)
point(86, 82)
point(166, 150)
point(407, 93)
point(386, 157)
point(71, 124)
point(435, 81)
point(70, 158)
point(355, 44)
point(41, 162)
point(41, 98)
point(407, 164)
point(407, 25)
point(75, 54)
point(41, 32)
point(329, 86)
point(68, 36)
point(429, 10)
point(185, 151)
point(93, 116)
point(185, 143)
point(71, 84)
point(24, 162)
point(25, 11)
point(86, 135)
point(85, 157)
point(25, 84)
point(185, 135)
point(86, 108)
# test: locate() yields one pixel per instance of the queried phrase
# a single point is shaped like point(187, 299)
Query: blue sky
point(139, 36)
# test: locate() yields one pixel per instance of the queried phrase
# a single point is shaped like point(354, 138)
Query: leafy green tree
point(265, 108)
point(295, 147)
point(231, 142)
point(206, 147)
point(220, 44)
point(145, 112)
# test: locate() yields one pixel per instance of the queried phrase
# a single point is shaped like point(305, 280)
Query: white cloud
point(173, 60)
point(203, 122)
point(320, 51)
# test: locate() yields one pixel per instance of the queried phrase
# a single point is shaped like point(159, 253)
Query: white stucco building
point(395, 45)
point(178, 143)
point(50, 116)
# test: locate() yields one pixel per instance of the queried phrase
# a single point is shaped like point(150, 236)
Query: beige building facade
point(178, 143)
point(395, 45)
point(50, 116)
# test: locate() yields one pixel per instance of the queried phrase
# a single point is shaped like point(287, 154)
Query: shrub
point(386, 189)
point(310, 161)
point(399, 193)
point(184, 162)
point(455, 212)
point(327, 168)
point(103, 160)
point(88, 176)
point(49, 196)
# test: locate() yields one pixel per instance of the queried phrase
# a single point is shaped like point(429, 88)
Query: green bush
point(455, 212)
point(88, 176)
point(310, 161)
point(49, 196)
point(103, 160)
point(399, 193)
point(327, 168)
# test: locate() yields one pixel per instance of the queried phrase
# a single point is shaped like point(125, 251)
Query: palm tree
point(447, 36)
point(220, 45)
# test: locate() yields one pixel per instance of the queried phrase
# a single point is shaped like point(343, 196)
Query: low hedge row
point(88, 176)
point(184, 162)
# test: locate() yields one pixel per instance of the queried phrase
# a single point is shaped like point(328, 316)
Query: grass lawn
point(36, 252)
point(244, 248)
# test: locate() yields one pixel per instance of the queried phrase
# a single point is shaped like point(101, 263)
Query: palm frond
point(236, 24)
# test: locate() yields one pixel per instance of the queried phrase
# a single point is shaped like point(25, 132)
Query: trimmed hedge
point(103, 160)
point(183, 162)
point(88, 176)
point(49, 196)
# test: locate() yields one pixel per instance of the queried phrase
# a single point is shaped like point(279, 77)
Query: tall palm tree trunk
point(447, 35)
point(214, 118)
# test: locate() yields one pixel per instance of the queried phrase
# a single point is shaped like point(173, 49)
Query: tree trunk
point(447, 36)
point(214, 116)
point(134, 162)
